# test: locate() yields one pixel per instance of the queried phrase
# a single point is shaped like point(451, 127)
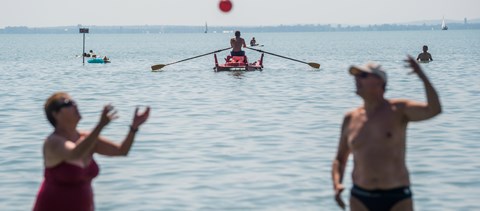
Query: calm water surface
point(246, 141)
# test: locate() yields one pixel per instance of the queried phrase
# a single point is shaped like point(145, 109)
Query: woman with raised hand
point(68, 154)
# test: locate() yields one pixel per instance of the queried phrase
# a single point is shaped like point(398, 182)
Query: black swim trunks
point(380, 200)
point(237, 53)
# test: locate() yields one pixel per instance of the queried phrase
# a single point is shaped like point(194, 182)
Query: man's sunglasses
point(363, 75)
point(64, 104)
point(366, 75)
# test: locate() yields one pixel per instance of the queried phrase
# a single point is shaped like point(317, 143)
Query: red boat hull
point(238, 63)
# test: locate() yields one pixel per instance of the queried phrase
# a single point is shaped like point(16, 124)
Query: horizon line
point(418, 22)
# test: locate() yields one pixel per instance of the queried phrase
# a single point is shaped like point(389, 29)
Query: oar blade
point(314, 65)
point(157, 67)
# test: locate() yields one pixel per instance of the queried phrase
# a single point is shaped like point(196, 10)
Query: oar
point(160, 66)
point(312, 64)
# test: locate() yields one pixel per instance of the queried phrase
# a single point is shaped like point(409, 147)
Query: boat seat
point(236, 59)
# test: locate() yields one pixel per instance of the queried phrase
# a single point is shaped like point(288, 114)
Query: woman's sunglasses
point(64, 104)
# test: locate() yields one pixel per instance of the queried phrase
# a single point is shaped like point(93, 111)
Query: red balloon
point(225, 5)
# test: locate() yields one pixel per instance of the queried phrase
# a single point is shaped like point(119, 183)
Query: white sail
point(444, 26)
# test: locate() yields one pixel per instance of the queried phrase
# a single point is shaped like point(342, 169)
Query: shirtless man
point(237, 43)
point(425, 56)
point(375, 133)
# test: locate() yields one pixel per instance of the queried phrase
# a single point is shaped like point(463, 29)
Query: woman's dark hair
point(52, 105)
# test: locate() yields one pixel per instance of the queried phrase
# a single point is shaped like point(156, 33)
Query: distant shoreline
point(160, 29)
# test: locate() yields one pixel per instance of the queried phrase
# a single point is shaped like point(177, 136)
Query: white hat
point(370, 67)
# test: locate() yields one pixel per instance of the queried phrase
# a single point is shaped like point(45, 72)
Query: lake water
point(244, 141)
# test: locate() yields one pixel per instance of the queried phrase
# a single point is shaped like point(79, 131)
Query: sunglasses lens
point(68, 103)
point(363, 75)
point(65, 103)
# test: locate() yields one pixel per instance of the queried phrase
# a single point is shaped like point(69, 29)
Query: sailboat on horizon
point(206, 27)
point(444, 26)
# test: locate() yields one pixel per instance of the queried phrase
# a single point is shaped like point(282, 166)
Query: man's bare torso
point(424, 57)
point(237, 43)
point(377, 142)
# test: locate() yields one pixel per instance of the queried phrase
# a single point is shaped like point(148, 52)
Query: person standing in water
point(424, 56)
point(375, 134)
point(68, 154)
point(253, 42)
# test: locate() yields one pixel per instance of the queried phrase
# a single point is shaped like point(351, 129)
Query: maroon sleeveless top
point(67, 187)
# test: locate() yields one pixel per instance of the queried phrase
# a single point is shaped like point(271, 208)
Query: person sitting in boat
point(253, 42)
point(106, 59)
point(425, 56)
point(237, 43)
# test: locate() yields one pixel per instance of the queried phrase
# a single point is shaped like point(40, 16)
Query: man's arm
point(416, 111)
point(430, 57)
point(340, 161)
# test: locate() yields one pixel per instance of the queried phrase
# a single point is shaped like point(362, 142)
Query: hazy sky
point(37, 13)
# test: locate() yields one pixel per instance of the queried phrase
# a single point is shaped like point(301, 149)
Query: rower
point(237, 43)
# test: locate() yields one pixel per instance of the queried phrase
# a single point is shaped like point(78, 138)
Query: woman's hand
point(140, 118)
point(108, 114)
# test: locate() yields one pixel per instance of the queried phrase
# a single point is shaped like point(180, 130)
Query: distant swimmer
point(90, 54)
point(425, 56)
point(93, 55)
point(253, 42)
point(375, 134)
point(237, 43)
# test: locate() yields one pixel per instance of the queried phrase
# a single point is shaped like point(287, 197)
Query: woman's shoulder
point(51, 145)
point(54, 139)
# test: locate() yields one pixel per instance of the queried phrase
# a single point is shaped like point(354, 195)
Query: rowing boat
point(238, 63)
